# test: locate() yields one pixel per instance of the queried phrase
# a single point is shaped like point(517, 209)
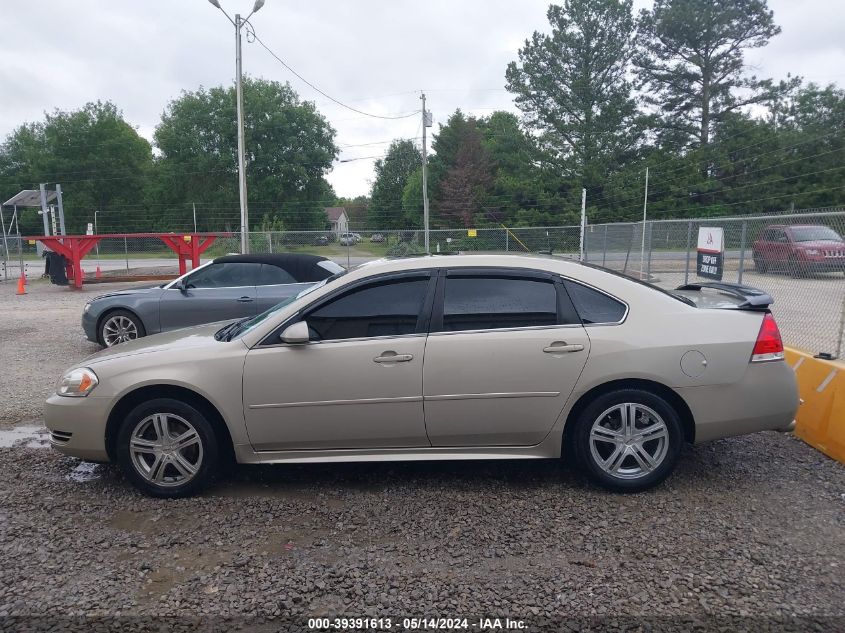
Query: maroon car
point(799, 249)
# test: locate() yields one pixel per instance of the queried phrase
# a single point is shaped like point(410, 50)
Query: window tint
point(385, 309)
point(484, 303)
point(225, 275)
point(273, 275)
point(594, 306)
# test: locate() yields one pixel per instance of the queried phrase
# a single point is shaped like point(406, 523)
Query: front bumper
point(832, 264)
point(765, 399)
point(78, 425)
point(89, 326)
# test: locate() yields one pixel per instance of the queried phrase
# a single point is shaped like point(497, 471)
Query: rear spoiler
point(752, 298)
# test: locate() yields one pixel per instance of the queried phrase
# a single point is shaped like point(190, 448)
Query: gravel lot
point(747, 535)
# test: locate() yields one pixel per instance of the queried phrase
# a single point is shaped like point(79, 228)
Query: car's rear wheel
point(760, 264)
point(119, 326)
point(167, 448)
point(628, 440)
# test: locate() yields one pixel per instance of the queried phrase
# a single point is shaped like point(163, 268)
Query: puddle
point(86, 471)
point(29, 436)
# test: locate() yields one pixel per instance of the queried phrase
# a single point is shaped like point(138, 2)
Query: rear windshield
point(676, 296)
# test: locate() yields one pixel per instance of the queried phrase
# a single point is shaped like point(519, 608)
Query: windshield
point(814, 233)
point(239, 328)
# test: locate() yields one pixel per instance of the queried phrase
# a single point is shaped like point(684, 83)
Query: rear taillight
point(769, 345)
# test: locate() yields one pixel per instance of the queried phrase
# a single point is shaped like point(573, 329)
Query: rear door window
point(487, 303)
point(595, 307)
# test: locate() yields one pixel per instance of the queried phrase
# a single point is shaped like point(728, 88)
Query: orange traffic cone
point(21, 286)
point(97, 274)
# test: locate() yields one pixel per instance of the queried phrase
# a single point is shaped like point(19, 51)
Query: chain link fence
point(798, 258)
point(795, 257)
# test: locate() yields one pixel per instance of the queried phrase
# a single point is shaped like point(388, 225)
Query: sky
point(374, 55)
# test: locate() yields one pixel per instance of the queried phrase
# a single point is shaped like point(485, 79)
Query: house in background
point(338, 219)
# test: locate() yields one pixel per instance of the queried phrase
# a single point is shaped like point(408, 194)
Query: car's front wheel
point(628, 440)
point(119, 326)
point(167, 448)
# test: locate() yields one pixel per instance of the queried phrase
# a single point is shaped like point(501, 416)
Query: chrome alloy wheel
point(119, 329)
point(166, 449)
point(629, 440)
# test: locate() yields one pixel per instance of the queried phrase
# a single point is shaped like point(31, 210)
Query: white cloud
point(372, 54)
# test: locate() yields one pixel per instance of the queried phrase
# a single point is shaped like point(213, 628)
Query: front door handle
point(393, 357)
point(561, 347)
point(245, 300)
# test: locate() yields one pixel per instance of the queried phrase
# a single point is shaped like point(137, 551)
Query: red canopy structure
point(76, 247)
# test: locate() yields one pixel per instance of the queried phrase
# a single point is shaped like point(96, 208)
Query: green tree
point(691, 63)
point(289, 149)
point(525, 184)
point(391, 176)
point(573, 88)
point(467, 181)
point(98, 158)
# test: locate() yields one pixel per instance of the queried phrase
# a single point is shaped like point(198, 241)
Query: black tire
point(668, 448)
point(109, 317)
point(760, 264)
point(794, 268)
point(204, 454)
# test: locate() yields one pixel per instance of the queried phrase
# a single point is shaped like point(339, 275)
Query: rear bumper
point(78, 426)
point(789, 428)
point(765, 399)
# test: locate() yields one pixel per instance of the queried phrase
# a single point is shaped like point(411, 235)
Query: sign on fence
point(711, 253)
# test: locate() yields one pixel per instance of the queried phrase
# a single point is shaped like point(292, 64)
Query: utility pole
point(645, 212)
point(426, 122)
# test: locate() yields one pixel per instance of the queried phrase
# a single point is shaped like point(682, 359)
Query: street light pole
point(241, 151)
point(238, 23)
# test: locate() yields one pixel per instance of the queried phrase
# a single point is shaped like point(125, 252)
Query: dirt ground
point(746, 535)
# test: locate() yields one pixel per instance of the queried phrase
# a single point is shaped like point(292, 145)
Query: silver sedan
point(457, 357)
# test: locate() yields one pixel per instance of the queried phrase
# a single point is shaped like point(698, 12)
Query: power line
point(326, 95)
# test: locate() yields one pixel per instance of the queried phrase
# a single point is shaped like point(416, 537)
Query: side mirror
point(296, 334)
point(182, 287)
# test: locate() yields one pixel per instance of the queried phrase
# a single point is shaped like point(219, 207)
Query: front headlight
point(77, 383)
point(87, 307)
point(812, 251)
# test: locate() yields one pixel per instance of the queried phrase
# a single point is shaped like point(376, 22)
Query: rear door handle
point(393, 357)
point(245, 300)
point(561, 347)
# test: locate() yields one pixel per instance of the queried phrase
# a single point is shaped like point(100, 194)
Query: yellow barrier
point(821, 418)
